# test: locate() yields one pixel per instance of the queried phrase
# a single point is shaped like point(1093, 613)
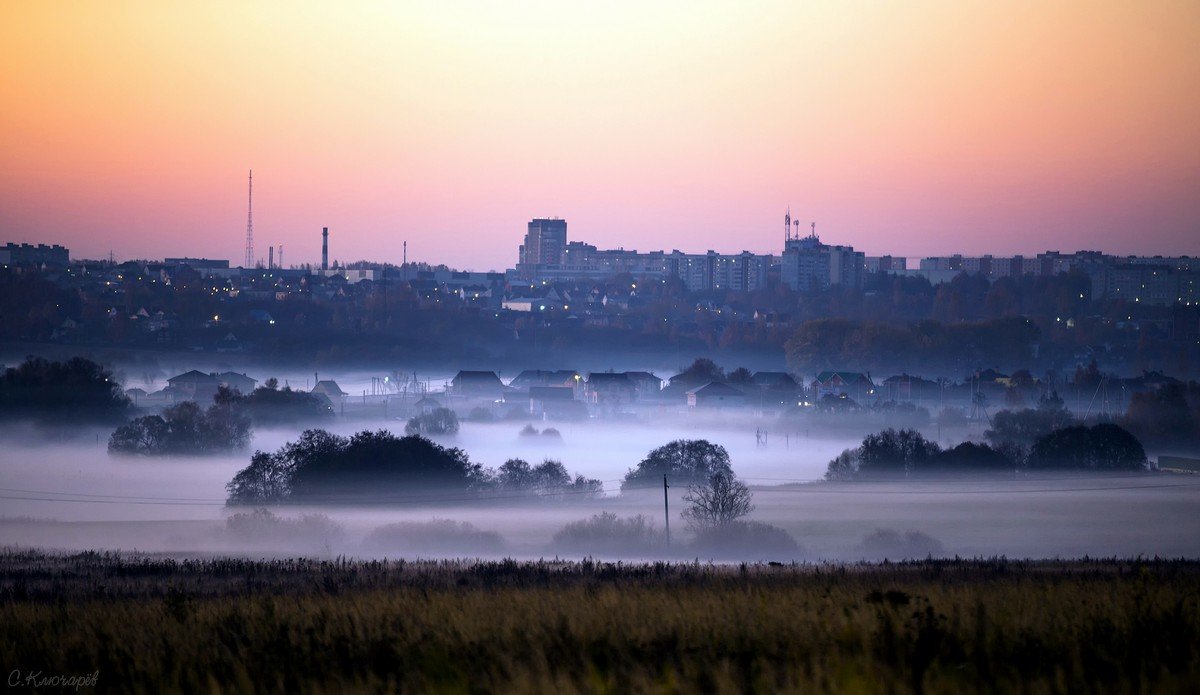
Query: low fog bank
point(70, 494)
point(1037, 518)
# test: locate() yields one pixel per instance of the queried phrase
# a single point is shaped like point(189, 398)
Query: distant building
point(807, 264)
point(28, 254)
point(715, 394)
point(238, 382)
point(476, 383)
point(609, 390)
point(545, 241)
point(193, 386)
point(854, 384)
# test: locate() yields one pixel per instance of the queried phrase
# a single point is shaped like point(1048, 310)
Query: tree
point(716, 502)
point(266, 480)
point(78, 389)
point(143, 436)
point(549, 478)
point(740, 377)
point(368, 464)
point(1099, 448)
point(439, 421)
point(844, 466)
point(684, 460)
point(185, 429)
point(1024, 427)
point(1168, 416)
point(895, 452)
point(700, 372)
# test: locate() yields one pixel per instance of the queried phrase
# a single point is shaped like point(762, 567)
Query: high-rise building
point(544, 242)
point(807, 264)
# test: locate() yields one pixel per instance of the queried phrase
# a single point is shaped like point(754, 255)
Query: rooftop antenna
point(813, 234)
point(406, 252)
point(787, 224)
point(797, 225)
point(250, 222)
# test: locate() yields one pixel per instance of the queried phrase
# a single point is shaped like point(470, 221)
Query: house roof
point(644, 376)
point(845, 377)
point(772, 379)
point(715, 389)
point(194, 376)
point(328, 387)
point(609, 379)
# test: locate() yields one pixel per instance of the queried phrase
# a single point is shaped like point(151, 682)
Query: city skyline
point(918, 130)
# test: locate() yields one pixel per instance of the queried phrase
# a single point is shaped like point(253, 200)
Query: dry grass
point(936, 626)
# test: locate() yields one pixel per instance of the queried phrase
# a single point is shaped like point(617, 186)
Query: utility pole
point(666, 509)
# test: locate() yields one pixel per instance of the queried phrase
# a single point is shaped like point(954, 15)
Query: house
point(774, 389)
point(853, 384)
point(610, 390)
point(544, 377)
point(715, 394)
point(329, 389)
point(237, 382)
point(770, 380)
point(555, 402)
point(477, 384)
point(193, 386)
point(905, 387)
point(645, 385)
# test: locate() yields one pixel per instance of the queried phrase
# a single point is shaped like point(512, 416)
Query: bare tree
point(717, 502)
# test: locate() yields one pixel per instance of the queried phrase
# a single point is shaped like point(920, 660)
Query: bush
point(892, 545)
point(547, 479)
point(442, 537)
point(746, 540)
point(1104, 447)
point(262, 526)
point(437, 422)
point(606, 533)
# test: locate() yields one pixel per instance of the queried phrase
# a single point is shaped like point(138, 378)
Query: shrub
point(262, 526)
point(437, 422)
point(891, 544)
point(442, 537)
point(746, 540)
point(606, 533)
point(1100, 447)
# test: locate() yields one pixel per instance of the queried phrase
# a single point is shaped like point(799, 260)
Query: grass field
point(152, 624)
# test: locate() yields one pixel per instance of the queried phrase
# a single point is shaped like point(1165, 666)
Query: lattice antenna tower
point(250, 222)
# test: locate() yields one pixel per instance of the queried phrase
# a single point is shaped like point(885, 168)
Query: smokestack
point(324, 248)
point(271, 257)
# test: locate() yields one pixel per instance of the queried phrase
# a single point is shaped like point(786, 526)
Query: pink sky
point(906, 128)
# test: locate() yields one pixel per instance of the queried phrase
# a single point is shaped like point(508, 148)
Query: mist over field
point(63, 490)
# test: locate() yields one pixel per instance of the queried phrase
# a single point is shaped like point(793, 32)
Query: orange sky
point(899, 127)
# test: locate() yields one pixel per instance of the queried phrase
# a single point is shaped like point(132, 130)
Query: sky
point(910, 128)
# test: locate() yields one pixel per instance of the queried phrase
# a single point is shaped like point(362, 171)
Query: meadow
point(157, 624)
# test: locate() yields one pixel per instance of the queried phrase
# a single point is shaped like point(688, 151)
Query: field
point(150, 624)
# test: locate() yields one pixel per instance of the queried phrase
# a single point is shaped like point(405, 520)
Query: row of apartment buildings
point(546, 255)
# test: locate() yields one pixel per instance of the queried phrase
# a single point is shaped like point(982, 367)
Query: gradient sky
point(910, 128)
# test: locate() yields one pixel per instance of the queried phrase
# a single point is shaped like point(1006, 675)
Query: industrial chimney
point(271, 257)
point(324, 248)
